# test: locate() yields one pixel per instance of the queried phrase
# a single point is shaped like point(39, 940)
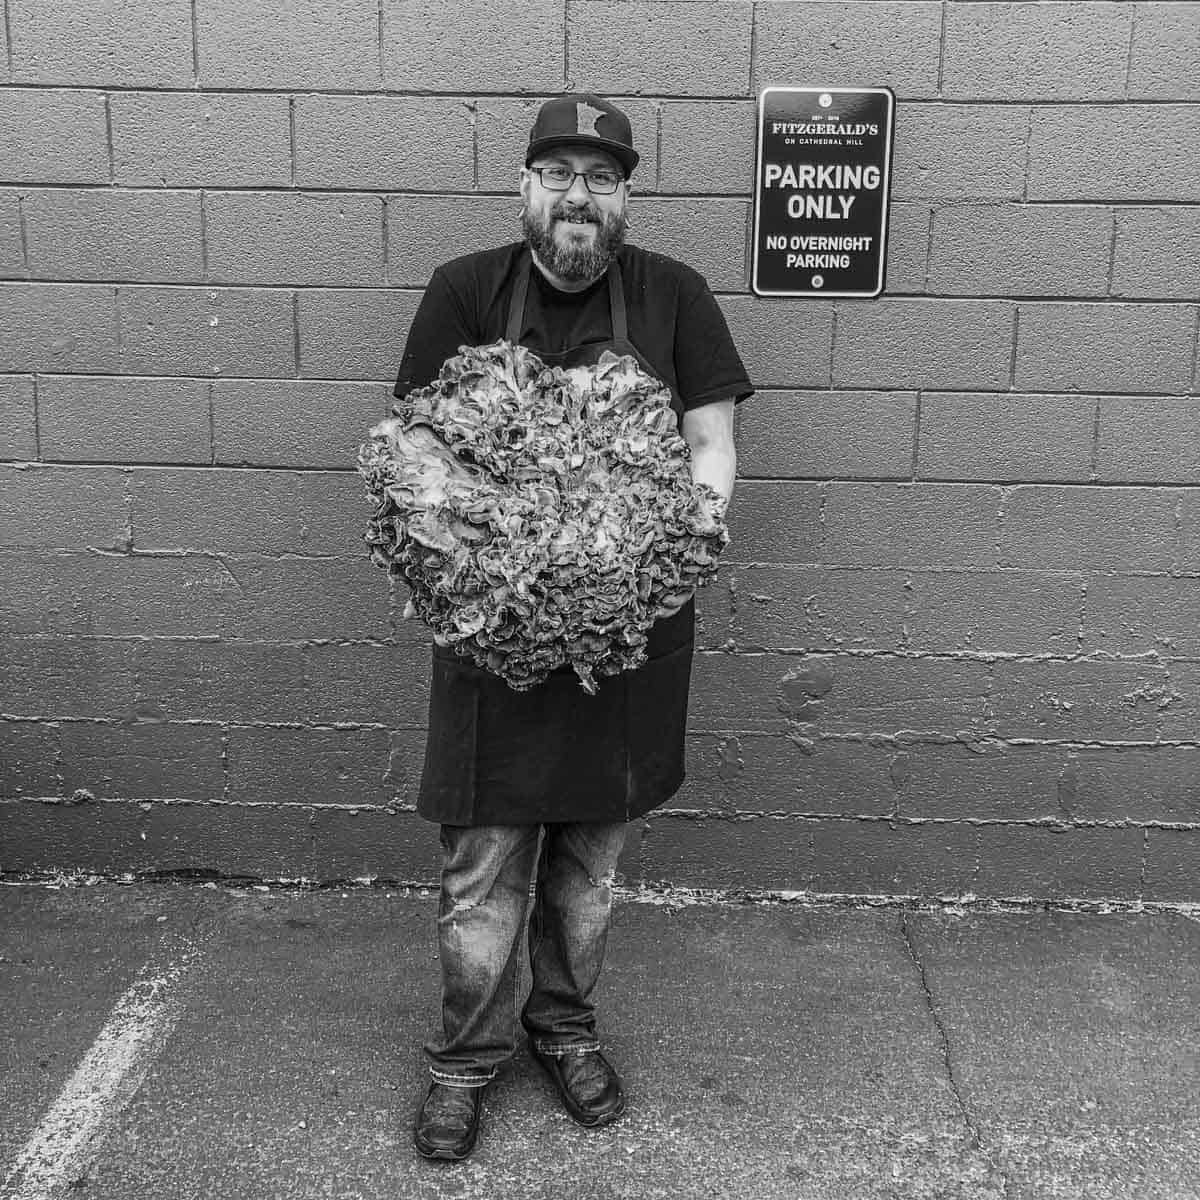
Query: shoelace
point(589, 1077)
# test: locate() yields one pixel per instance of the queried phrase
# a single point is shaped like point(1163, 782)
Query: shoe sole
point(436, 1155)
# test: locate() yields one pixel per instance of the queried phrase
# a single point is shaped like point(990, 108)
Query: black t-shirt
point(673, 320)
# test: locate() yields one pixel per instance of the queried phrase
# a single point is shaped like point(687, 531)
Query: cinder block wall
point(955, 644)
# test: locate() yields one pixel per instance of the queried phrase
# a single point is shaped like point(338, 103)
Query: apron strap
point(516, 305)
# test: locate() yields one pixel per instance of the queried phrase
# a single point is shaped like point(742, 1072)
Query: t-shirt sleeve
point(707, 365)
point(436, 333)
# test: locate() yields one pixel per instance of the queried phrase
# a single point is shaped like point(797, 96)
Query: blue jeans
point(486, 873)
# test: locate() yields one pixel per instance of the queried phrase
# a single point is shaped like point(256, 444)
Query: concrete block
point(1105, 347)
point(61, 677)
point(1164, 53)
point(918, 343)
point(18, 423)
point(188, 679)
point(1150, 439)
point(1108, 528)
point(764, 773)
point(1087, 700)
point(1157, 253)
point(57, 327)
point(981, 780)
point(121, 595)
point(63, 507)
point(823, 434)
point(12, 248)
point(142, 760)
point(1179, 701)
point(1128, 152)
point(93, 418)
point(1071, 51)
point(708, 146)
point(206, 331)
point(114, 235)
point(406, 759)
point(249, 512)
point(830, 608)
point(1020, 250)
point(1142, 614)
point(29, 755)
point(907, 249)
point(214, 139)
point(910, 525)
point(992, 612)
point(306, 599)
point(312, 425)
point(999, 436)
point(820, 694)
point(1052, 863)
point(708, 234)
point(391, 143)
point(237, 841)
point(1189, 532)
point(307, 766)
point(503, 124)
point(717, 853)
point(287, 237)
point(49, 135)
point(83, 837)
point(1134, 783)
point(129, 43)
point(426, 231)
point(354, 334)
point(477, 46)
point(314, 44)
point(774, 522)
point(960, 152)
point(849, 45)
point(400, 847)
point(783, 343)
point(639, 46)
point(367, 683)
point(1172, 865)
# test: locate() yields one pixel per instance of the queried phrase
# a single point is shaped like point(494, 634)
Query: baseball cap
point(583, 119)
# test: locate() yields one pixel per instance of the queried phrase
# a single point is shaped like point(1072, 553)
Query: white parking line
point(109, 1075)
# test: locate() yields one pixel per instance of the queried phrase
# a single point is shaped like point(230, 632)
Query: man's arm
point(708, 431)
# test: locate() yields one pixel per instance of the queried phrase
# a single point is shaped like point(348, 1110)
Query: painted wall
point(955, 643)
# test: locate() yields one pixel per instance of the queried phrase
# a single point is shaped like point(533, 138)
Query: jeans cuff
point(561, 1048)
point(463, 1081)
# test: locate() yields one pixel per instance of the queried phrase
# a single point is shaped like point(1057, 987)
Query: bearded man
point(537, 787)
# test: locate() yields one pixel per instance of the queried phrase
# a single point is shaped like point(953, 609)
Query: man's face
point(575, 233)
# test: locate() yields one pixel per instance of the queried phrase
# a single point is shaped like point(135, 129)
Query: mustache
point(563, 211)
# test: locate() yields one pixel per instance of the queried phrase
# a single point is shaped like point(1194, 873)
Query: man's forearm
point(717, 466)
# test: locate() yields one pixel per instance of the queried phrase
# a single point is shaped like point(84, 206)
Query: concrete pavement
point(184, 1040)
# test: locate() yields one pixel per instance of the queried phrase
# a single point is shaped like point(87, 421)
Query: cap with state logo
point(587, 120)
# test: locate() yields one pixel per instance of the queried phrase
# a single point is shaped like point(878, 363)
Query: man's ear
point(525, 184)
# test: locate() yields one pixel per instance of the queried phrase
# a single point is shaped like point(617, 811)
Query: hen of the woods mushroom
point(539, 515)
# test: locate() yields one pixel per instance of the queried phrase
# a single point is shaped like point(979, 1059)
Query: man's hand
point(672, 603)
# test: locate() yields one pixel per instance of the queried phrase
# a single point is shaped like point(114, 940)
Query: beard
point(575, 261)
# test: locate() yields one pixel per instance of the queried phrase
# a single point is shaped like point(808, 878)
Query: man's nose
point(578, 191)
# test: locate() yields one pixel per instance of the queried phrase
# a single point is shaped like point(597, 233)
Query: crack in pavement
point(968, 1120)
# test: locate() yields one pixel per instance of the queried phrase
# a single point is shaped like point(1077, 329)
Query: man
point(504, 769)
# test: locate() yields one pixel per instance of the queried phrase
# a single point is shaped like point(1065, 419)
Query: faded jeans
point(486, 872)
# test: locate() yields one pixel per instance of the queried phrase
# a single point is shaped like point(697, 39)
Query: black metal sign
point(821, 191)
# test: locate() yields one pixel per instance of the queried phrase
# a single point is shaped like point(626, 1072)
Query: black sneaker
point(448, 1121)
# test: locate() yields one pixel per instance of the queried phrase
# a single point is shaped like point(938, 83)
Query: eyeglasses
point(562, 179)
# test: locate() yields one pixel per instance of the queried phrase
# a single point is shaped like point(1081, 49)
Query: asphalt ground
point(172, 1040)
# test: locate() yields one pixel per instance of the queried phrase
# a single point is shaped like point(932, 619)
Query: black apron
point(496, 756)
